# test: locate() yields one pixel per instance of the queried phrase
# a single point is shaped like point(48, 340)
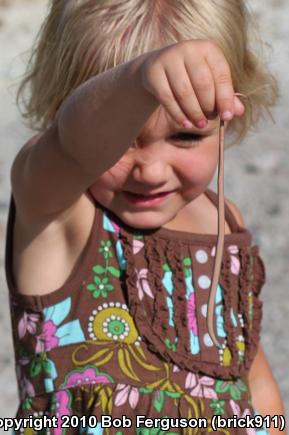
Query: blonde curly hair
point(82, 38)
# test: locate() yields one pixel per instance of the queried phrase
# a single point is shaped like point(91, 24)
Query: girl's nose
point(150, 168)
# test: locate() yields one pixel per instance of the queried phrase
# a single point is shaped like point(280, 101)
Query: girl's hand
point(192, 81)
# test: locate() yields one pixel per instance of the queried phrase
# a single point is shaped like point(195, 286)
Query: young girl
point(131, 293)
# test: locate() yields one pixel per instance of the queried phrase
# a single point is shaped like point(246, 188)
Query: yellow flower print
point(113, 322)
point(114, 335)
point(226, 355)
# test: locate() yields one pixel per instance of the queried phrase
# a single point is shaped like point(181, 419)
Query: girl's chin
point(147, 219)
point(143, 222)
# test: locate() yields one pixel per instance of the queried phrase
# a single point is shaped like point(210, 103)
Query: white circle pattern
point(204, 281)
point(204, 310)
point(207, 340)
point(201, 256)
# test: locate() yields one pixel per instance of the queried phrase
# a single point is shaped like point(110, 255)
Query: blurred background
point(257, 178)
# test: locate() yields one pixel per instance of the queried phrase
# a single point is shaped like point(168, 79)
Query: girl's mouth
point(146, 200)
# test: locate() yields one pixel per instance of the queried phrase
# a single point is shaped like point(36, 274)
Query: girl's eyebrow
point(195, 130)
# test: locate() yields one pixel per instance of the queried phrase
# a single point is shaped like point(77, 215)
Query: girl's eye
point(187, 137)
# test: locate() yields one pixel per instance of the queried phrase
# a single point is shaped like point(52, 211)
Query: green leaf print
point(187, 261)
point(159, 400)
point(166, 267)
point(173, 394)
point(46, 366)
point(98, 269)
point(235, 388)
point(217, 406)
point(187, 273)
point(115, 272)
point(27, 403)
point(102, 285)
point(40, 363)
point(91, 287)
point(171, 345)
point(138, 237)
point(36, 366)
point(146, 390)
point(105, 249)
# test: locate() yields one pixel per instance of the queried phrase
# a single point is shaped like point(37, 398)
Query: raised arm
point(93, 129)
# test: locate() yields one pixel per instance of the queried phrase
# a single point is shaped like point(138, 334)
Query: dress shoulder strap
point(229, 216)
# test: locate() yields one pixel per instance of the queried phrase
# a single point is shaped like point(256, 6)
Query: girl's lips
point(146, 200)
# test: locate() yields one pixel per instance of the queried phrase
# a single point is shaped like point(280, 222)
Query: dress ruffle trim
point(152, 315)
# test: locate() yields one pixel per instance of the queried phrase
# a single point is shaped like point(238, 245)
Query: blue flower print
point(112, 227)
point(219, 312)
point(54, 335)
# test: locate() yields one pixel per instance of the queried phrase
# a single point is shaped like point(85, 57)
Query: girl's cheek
point(198, 170)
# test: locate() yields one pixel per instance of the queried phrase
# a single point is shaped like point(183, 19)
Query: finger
point(239, 108)
point(166, 97)
point(204, 87)
point(182, 89)
point(223, 83)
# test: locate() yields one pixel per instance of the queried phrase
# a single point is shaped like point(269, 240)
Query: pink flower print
point(54, 333)
point(90, 375)
point(176, 368)
point(237, 411)
point(39, 347)
point(62, 408)
point(115, 227)
point(233, 249)
point(126, 392)
point(191, 313)
point(25, 386)
point(201, 386)
point(235, 262)
point(143, 284)
point(28, 323)
point(47, 339)
point(49, 330)
point(137, 246)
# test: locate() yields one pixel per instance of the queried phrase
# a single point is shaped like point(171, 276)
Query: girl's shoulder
point(42, 255)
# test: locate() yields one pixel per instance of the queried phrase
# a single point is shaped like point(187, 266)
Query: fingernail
point(202, 123)
point(227, 116)
point(187, 124)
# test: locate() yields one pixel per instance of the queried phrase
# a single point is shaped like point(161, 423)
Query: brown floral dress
point(126, 335)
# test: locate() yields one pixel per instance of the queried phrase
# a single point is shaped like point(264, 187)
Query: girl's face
point(167, 158)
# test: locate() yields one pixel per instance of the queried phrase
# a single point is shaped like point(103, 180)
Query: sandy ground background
point(257, 174)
